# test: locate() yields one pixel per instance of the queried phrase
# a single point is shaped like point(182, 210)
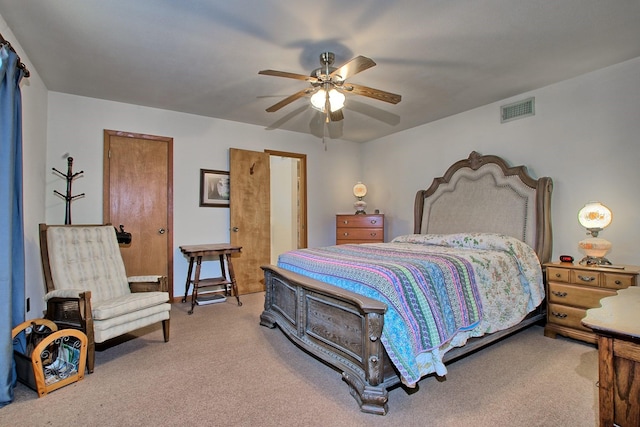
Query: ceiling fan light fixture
point(328, 89)
point(336, 100)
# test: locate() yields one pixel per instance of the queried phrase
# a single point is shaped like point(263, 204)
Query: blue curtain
point(11, 223)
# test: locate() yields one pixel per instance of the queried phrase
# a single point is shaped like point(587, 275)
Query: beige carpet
point(221, 368)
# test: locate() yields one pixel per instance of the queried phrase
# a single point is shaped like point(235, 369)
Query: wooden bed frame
point(342, 328)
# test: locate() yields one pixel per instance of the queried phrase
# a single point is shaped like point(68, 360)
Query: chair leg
point(91, 356)
point(165, 330)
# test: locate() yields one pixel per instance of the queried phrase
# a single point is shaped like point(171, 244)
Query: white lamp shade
point(359, 190)
point(594, 215)
point(336, 100)
point(318, 99)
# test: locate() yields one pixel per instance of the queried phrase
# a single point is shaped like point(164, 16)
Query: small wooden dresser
point(359, 228)
point(574, 288)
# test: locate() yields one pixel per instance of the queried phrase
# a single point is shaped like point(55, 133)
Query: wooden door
point(249, 216)
point(138, 193)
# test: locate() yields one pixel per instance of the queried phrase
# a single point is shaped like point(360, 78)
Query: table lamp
point(360, 190)
point(594, 216)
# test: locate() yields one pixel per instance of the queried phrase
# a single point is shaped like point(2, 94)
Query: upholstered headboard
point(484, 194)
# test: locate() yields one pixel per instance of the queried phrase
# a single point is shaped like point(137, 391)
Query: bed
point(481, 233)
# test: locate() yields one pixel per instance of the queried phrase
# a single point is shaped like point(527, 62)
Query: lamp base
point(594, 260)
point(360, 206)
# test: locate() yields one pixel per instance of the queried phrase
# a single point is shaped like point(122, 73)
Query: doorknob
point(161, 231)
point(235, 229)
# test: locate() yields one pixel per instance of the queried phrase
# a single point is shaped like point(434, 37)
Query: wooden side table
point(196, 253)
point(617, 325)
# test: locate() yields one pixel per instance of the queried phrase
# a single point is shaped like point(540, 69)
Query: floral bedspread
point(440, 289)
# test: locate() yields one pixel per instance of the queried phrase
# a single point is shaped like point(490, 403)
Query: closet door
point(138, 193)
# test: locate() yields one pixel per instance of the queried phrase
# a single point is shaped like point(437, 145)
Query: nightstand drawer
point(558, 274)
point(359, 221)
point(576, 296)
point(585, 277)
point(567, 316)
point(618, 281)
point(359, 234)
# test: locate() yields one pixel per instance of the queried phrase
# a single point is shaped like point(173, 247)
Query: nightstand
point(574, 288)
point(359, 228)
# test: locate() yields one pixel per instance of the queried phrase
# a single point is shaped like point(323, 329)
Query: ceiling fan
point(328, 86)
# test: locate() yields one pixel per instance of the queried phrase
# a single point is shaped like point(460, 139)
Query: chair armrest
point(64, 293)
point(72, 311)
point(148, 283)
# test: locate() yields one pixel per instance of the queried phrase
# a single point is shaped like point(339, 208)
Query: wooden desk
point(196, 253)
point(617, 325)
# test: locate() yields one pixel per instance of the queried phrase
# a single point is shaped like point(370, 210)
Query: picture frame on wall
point(214, 188)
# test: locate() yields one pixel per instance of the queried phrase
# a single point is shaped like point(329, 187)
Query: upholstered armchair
point(87, 287)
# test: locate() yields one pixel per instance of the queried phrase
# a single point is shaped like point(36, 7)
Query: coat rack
point(69, 176)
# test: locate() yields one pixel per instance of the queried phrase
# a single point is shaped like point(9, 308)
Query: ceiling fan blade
point(288, 100)
point(356, 65)
point(373, 112)
point(335, 129)
point(288, 75)
point(336, 116)
point(282, 120)
point(373, 93)
point(318, 126)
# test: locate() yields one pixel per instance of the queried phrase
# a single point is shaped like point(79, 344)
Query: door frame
point(302, 192)
point(106, 214)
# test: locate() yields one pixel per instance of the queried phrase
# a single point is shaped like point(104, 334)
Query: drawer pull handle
point(618, 282)
point(373, 234)
point(345, 221)
point(586, 278)
point(559, 294)
point(559, 315)
point(373, 221)
point(345, 234)
point(558, 275)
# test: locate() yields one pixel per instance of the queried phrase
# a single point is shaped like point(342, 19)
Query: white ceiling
point(203, 56)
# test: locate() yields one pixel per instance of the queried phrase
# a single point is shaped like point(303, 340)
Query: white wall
point(585, 135)
point(34, 143)
point(75, 127)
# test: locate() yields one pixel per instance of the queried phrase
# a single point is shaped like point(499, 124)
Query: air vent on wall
point(517, 110)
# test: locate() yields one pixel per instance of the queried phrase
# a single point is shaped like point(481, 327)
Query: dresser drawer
point(567, 316)
point(576, 296)
point(372, 221)
point(558, 274)
point(375, 234)
point(585, 277)
point(618, 281)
